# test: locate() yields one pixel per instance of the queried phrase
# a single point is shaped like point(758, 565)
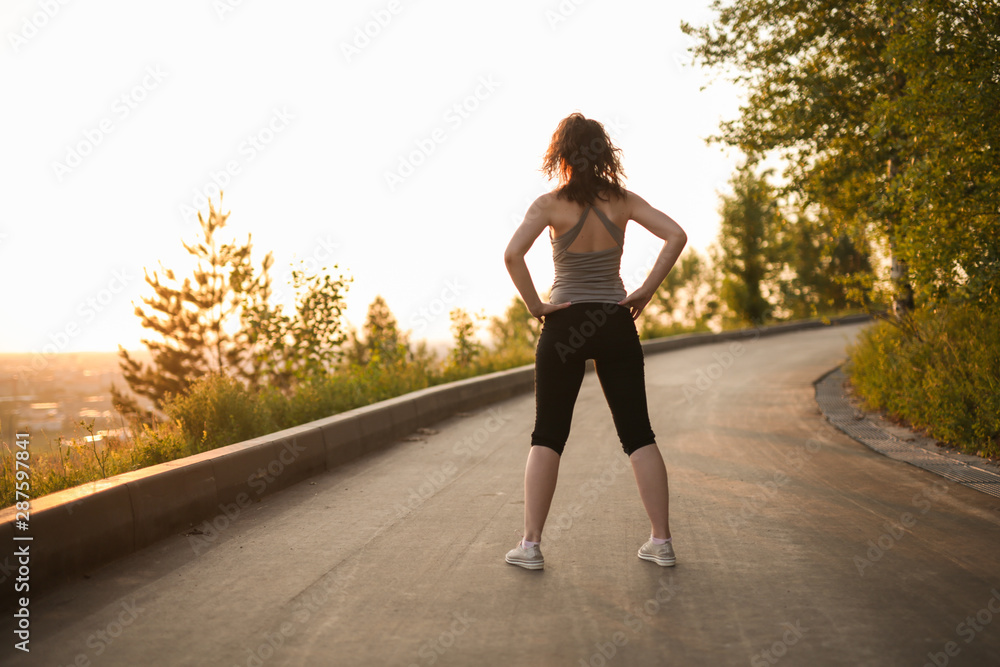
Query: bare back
point(564, 215)
point(586, 250)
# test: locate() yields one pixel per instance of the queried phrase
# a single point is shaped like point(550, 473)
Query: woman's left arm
point(535, 222)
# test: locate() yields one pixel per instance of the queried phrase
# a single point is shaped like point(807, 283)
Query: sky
point(398, 140)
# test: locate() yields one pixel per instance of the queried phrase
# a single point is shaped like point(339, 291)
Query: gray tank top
point(588, 276)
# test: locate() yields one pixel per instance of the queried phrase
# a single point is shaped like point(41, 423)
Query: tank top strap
point(564, 241)
point(617, 233)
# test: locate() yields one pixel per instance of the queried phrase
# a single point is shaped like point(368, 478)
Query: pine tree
point(467, 349)
point(190, 318)
point(383, 339)
point(379, 338)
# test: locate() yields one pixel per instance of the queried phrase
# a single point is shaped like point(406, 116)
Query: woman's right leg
point(620, 368)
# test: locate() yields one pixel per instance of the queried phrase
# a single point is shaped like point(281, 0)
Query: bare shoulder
point(540, 211)
point(635, 205)
point(545, 201)
point(653, 219)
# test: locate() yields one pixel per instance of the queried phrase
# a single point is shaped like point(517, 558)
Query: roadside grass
point(219, 410)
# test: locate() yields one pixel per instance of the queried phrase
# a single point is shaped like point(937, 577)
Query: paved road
point(795, 546)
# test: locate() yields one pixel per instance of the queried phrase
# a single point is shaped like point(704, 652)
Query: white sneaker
point(529, 558)
point(661, 554)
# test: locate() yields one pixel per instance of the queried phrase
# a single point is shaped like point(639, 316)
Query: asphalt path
point(795, 546)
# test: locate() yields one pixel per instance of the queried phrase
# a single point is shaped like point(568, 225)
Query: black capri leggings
point(604, 332)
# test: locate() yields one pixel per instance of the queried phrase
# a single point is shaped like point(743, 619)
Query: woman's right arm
point(535, 222)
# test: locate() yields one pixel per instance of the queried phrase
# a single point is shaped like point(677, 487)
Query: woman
point(589, 316)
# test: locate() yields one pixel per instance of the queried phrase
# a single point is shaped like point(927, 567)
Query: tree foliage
point(753, 248)
point(381, 339)
point(829, 267)
point(516, 329)
point(222, 321)
point(467, 350)
point(884, 111)
point(948, 193)
point(287, 347)
point(685, 301)
point(814, 70)
point(190, 318)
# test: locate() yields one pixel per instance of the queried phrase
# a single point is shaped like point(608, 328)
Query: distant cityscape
point(49, 397)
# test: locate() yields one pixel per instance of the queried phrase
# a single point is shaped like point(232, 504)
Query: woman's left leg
point(540, 475)
point(559, 371)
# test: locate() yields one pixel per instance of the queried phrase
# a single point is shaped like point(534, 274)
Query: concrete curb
point(899, 442)
point(77, 530)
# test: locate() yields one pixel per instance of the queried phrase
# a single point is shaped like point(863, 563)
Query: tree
point(467, 349)
point(287, 348)
point(826, 266)
point(190, 318)
point(753, 251)
point(515, 330)
point(819, 75)
point(222, 321)
point(947, 195)
point(685, 301)
point(381, 340)
point(513, 336)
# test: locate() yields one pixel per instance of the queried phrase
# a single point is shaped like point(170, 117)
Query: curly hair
point(584, 160)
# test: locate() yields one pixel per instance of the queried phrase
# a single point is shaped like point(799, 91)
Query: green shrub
point(158, 445)
point(218, 410)
point(939, 370)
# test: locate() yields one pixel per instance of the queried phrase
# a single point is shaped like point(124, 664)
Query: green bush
point(158, 445)
point(218, 410)
point(939, 371)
